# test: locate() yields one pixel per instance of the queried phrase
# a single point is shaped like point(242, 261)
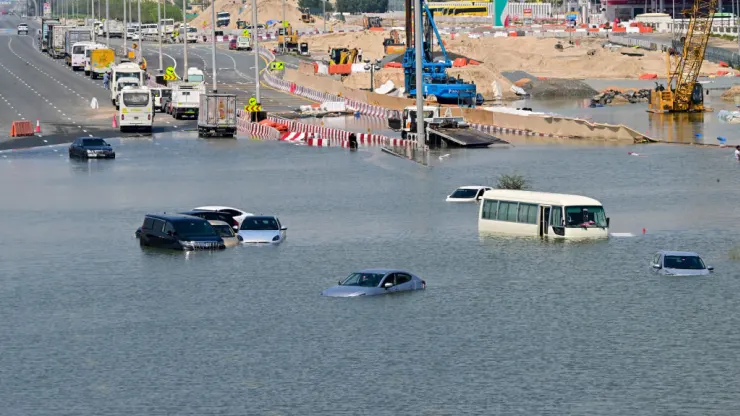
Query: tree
point(315, 6)
point(514, 181)
point(362, 6)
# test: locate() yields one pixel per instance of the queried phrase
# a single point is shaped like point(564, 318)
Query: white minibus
point(136, 110)
point(543, 214)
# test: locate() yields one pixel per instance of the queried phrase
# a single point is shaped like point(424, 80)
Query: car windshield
point(224, 230)
point(363, 279)
point(585, 217)
point(122, 75)
point(167, 93)
point(683, 262)
point(135, 99)
point(78, 50)
point(94, 142)
point(194, 228)
point(464, 193)
point(259, 223)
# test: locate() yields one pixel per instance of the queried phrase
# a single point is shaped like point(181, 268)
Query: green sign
point(285, 23)
point(245, 32)
point(277, 66)
point(252, 101)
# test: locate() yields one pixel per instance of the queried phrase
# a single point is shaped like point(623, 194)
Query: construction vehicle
point(241, 24)
point(288, 37)
point(341, 56)
point(436, 83)
point(393, 44)
point(306, 16)
point(370, 22)
point(682, 93)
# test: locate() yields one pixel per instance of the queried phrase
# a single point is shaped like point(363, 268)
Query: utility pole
point(284, 34)
point(213, 44)
point(107, 16)
point(138, 16)
point(160, 29)
point(256, 51)
point(419, 45)
point(125, 30)
point(184, 34)
point(323, 4)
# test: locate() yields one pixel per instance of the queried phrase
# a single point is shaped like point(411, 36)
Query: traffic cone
point(115, 123)
point(38, 126)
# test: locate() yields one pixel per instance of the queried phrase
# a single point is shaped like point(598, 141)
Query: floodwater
point(93, 324)
point(676, 128)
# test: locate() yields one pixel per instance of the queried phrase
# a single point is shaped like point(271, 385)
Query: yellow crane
point(682, 93)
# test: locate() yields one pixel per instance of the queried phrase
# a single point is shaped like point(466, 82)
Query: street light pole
point(213, 44)
point(284, 34)
point(138, 17)
point(418, 46)
point(125, 30)
point(159, 34)
point(256, 51)
point(185, 40)
point(107, 16)
point(323, 3)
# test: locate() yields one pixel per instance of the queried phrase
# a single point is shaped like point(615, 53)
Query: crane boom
point(684, 94)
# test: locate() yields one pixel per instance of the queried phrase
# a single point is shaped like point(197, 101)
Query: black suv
point(179, 232)
point(214, 216)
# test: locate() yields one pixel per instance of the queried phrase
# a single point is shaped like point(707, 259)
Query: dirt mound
point(732, 95)
point(266, 10)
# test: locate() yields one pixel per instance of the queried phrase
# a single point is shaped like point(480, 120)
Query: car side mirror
point(339, 282)
point(710, 268)
point(607, 221)
point(283, 228)
point(388, 285)
point(239, 237)
point(656, 266)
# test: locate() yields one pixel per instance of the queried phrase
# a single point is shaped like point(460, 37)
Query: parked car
point(468, 194)
point(23, 28)
point(262, 229)
point(178, 232)
point(372, 282)
point(232, 44)
point(91, 147)
point(231, 239)
point(212, 215)
point(679, 263)
point(238, 214)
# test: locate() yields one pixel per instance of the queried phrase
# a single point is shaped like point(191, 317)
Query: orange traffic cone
point(38, 126)
point(115, 123)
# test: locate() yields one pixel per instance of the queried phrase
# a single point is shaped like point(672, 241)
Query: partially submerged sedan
point(679, 263)
point(226, 232)
point(468, 193)
point(375, 282)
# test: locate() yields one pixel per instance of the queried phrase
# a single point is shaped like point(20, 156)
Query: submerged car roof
point(383, 271)
point(678, 253)
point(174, 217)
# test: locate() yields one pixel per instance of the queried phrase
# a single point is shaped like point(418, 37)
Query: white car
point(238, 214)
point(262, 229)
point(468, 194)
point(226, 233)
point(23, 28)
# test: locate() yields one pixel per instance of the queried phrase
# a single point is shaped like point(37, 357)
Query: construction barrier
point(254, 130)
point(21, 128)
point(340, 69)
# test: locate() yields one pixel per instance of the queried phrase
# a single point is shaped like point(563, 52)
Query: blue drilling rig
point(436, 82)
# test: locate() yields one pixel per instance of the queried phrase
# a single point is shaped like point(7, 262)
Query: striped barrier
point(254, 130)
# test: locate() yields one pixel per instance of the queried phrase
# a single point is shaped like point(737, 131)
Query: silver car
point(226, 232)
point(375, 282)
point(679, 263)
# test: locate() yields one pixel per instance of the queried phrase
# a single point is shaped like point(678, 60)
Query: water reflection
point(90, 165)
point(687, 128)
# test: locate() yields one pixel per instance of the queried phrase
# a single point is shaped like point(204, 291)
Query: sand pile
point(370, 42)
point(732, 95)
point(266, 10)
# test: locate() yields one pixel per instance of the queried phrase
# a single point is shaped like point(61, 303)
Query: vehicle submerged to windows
point(93, 147)
point(526, 213)
point(679, 263)
point(179, 232)
point(262, 229)
point(373, 282)
point(468, 194)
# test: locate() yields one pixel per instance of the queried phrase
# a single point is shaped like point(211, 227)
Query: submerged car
point(372, 282)
point(231, 239)
point(213, 215)
point(468, 194)
point(262, 229)
point(91, 147)
point(236, 213)
point(679, 263)
point(178, 232)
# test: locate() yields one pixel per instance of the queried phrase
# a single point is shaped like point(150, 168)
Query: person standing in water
point(737, 153)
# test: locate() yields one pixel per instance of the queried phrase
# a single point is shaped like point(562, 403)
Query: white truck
point(127, 71)
point(113, 27)
point(186, 98)
point(243, 43)
point(58, 36)
point(217, 115)
point(75, 35)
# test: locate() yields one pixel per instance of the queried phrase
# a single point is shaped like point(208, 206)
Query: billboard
point(47, 9)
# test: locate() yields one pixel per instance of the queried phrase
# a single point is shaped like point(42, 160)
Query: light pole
point(323, 5)
point(125, 30)
point(107, 31)
point(375, 66)
point(213, 44)
point(185, 40)
point(159, 35)
point(256, 51)
point(419, 45)
point(138, 17)
point(284, 34)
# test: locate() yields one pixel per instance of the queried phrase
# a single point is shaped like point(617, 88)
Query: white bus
point(78, 54)
point(167, 25)
point(150, 29)
point(124, 70)
point(136, 110)
point(525, 213)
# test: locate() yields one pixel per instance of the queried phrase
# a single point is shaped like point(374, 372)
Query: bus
point(444, 10)
point(150, 29)
point(223, 19)
point(136, 109)
point(542, 214)
point(167, 25)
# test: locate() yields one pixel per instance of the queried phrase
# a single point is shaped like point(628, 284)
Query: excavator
point(340, 56)
point(682, 94)
point(393, 43)
point(370, 22)
point(306, 16)
point(289, 36)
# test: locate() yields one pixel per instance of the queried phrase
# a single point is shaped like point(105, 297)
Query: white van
point(525, 213)
point(125, 70)
point(136, 110)
point(78, 54)
point(158, 94)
